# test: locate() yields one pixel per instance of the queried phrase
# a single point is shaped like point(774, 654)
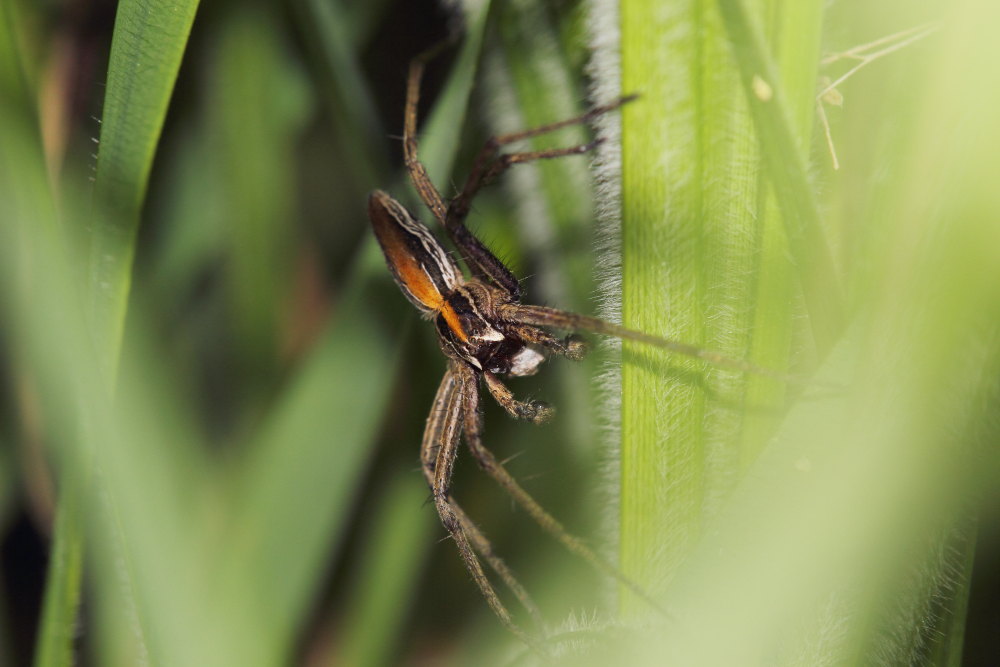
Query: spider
point(486, 333)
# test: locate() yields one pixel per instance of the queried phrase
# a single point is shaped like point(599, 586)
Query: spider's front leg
point(489, 165)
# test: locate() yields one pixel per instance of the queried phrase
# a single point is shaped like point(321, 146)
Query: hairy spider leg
point(481, 262)
point(488, 166)
point(491, 466)
point(437, 454)
point(561, 319)
point(484, 548)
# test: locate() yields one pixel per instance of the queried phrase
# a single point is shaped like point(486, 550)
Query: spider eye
point(421, 267)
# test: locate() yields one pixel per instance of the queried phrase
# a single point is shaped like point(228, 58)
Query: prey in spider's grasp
point(486, 333)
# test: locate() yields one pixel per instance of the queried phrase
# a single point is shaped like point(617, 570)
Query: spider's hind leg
point(472, 426)
point(437, 455)
point(484, 548)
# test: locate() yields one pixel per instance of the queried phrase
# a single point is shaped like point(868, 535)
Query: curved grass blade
point(146, 49)
point(139, 82)
point(129, 513)
point(330, 29)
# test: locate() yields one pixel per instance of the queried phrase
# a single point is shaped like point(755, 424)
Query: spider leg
point(484, 174)
point(418, 173)
point(569, 347)
point(443, 425)
point(473, 438)
point(542, 316)
point(487, 166)
point(481, 262)
point(437, 454)
point(533, 411)
point(484, 548)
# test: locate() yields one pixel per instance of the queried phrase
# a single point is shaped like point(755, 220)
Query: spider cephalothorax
point(477, 322)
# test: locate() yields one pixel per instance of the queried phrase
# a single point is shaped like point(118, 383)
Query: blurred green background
point(214, 394)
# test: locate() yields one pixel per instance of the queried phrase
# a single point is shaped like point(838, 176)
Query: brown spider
point(486, 332)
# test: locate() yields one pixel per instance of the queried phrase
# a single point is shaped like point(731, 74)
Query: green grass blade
point(304, 469)
point(258, 107)
point(329, 28)
point(54, 647)
point(386, 582)
point(795, 32)
point(147, 45)
point(442, 131)
point(855, 502)
point(535, 86)
point(786, 168)
point(545, 227)
point(24, 189)
point(127, 511)
point(146, 50)
point(691, 229)
point(949, 639)
point(306, 465)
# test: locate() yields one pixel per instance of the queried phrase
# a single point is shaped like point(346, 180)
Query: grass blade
point(692, 224)
point(796, 33)
point(24, 189)
point(295, 473)
point(54, 647)
point(302, 472)
point(258, 107)
point(442, 131)
point(146, 50)
point(331, 28)
point(786, 168)
point(126, 512)
point(391, 560)
point(773, 563)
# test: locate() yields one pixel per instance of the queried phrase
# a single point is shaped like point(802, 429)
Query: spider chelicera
point(486, 333)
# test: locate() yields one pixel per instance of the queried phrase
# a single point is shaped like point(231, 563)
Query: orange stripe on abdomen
point(413, 275)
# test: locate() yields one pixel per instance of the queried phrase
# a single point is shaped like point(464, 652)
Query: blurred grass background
point(214, 394)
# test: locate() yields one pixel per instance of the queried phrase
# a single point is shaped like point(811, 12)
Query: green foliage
point(208, 352)
point(784, 518)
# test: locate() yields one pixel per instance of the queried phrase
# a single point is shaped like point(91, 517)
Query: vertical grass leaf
point(146, 49)
point(304, 468)
point(786, 169)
